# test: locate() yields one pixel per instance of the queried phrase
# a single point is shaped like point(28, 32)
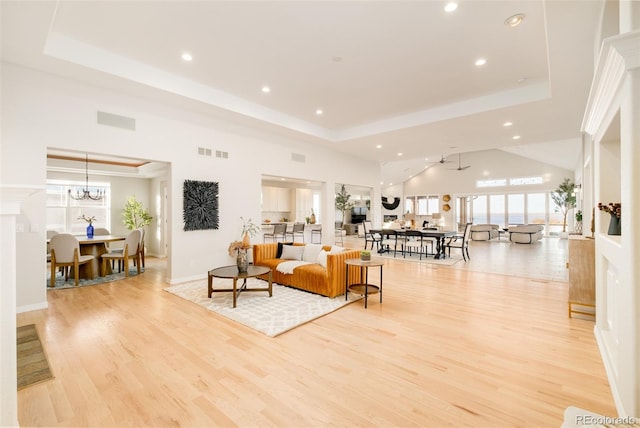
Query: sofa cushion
point(280, 244)
point(322, 258)
point(292, 252)
point(336, 249)
point(311, 252)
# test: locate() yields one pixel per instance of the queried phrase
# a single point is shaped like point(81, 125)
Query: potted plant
point(238, 249)
point(342, 203)
point(365, 255)
point(579, 221)
point(565, 200)
point(135, 216)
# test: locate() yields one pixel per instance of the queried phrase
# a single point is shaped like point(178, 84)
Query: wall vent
point(202, 151)
point(297, 157)
point(117, 121)
point(222, 155)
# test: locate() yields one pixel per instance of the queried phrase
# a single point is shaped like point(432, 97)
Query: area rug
point(32, 362)
point(449, 261)
point(286, 310)
point(70, 283)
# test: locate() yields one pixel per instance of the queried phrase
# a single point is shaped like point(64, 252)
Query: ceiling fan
point(460, 167)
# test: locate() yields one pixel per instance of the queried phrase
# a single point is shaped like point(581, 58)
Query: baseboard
point(34, 307)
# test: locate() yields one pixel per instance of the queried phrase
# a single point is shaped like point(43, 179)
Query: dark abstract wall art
point(200, 206)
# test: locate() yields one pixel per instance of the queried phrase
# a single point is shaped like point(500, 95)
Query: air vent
point(222, 155)
point(117, 121)
point(296, 157)
point(202, 151)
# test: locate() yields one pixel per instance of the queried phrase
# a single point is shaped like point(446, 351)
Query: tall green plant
point(342, 202)
point(565, 200)
point(134, 215)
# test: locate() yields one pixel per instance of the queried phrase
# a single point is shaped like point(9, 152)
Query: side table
point(363, 288)
point(233, 273)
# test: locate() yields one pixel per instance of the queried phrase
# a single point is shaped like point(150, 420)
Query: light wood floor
point(447, 347)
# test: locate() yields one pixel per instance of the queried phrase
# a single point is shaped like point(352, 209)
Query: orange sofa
point(315, 278)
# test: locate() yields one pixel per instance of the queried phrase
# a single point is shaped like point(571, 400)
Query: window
point(421, 205)
point(536, 208)
point(480, 209)
point(497, 210)
point(63, 211)
point(515, 204)
point(492, 183)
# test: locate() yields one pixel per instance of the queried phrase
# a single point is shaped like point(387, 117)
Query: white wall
point(41, 110)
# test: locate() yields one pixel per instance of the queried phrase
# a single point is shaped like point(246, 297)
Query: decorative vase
point(246, 240)
point(614, 225)
point(579, 227)
point(312, 219)
point(90, 231)
point(242, 260)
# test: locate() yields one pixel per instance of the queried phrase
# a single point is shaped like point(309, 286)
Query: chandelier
point(86, 194)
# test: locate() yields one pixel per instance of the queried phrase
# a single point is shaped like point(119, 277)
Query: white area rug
point(449, 261)
point(287, 309)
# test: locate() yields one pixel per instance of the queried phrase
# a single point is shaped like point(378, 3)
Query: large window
point(536, 208)
point(480, 209)
point(421, 205)
point(496, 210)
point(63, 212)
point(515, 204)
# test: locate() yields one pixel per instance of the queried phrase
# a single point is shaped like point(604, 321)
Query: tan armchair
point(131, 250)
point(65, 252)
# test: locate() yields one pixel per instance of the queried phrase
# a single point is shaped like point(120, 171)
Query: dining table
point(438, 235)
point(96, 247)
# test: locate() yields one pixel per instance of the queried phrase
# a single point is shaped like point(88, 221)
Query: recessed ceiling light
point(480, 62)
point(187, 56)
point(515, 137)
point(266, 89)
point(379, 146)
point(515, 20)
point(399, 154)
point(382, 182)
point(319, 112)
point(451, 6)
point(521, 80)
point(282, 179)
point(507, 124)
point(426, 159)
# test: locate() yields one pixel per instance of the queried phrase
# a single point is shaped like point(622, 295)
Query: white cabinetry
point(276, 199)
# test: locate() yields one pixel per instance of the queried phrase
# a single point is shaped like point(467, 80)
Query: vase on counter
point(312, 218)
point(90, 231)
point(242, 260)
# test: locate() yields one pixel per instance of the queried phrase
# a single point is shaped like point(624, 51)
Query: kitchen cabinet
point(276, 199)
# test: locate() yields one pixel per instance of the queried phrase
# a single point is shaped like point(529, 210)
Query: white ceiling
point(396, 74)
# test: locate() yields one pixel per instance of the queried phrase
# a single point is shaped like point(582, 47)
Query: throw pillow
point(322, 258)
point(280, 244)
point(336, 249)
point(311, 252)
point(291, 252)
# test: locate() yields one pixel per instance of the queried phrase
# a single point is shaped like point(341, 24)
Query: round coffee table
point(232, 272)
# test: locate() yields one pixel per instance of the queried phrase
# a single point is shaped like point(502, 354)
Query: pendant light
point(86, 194)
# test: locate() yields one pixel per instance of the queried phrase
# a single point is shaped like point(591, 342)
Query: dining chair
point(131, 250)
point(298, 230)
point(316, 231)
point(374, 238)
point(279, 232)
point(461, 242)
point(65, 252)
point(415, 241)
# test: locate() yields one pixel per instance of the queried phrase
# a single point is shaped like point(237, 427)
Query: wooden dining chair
point(65, 252)
point(131, 250)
